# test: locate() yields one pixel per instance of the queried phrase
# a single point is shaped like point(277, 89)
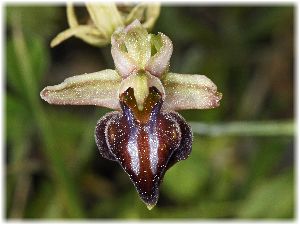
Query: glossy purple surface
point(145, 143)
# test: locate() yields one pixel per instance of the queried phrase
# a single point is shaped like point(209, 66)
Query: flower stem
point(245, 128)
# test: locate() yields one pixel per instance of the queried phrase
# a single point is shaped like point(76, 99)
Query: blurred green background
point(54, 170)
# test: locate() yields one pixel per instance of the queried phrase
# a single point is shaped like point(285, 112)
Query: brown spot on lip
point(152, 99)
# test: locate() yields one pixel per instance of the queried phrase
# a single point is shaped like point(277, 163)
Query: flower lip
point(146, 144)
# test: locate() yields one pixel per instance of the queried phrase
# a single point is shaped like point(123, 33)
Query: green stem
point(60, 174)
point(257, 128)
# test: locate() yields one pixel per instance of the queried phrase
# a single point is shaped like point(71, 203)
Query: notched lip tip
point(150, 206)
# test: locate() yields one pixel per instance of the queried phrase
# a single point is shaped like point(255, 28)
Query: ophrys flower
point(144, 135)
point(104, 19)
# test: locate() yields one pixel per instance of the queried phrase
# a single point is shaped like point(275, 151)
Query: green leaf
point(18, 119)
point(12, 69)
point(38, 57)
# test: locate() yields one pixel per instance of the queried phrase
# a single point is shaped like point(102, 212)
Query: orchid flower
point(144, 135)
point(104, 19)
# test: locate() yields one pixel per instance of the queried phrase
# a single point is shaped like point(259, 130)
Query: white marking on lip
point(153, 143)
point(132, 149)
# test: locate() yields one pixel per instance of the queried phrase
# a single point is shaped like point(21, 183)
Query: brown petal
point(101, 138)
point(185, 147)
point(145, 143)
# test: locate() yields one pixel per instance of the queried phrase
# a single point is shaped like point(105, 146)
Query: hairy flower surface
point(144, 135)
